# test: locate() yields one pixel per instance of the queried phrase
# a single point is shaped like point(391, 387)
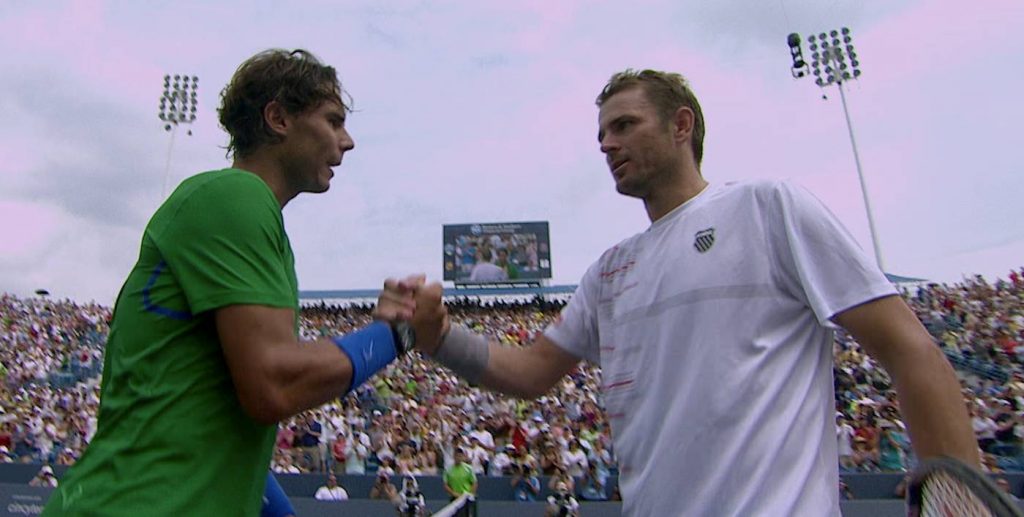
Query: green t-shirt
point(460, 478)
point(172, 438)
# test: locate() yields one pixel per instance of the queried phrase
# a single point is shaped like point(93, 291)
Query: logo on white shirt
point(704, 239)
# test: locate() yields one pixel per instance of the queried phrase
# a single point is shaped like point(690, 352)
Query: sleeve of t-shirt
point(819, 260)
point(226, 245)
point(576, 330)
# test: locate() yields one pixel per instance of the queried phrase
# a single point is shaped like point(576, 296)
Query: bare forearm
point(307, 375)
point(933, 408)
point(927, 387)
point(512, 371)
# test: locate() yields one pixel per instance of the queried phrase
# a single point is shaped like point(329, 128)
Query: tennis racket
point(946, 487)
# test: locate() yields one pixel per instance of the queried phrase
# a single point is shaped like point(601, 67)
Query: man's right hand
point(396, 302)
point(430, 319)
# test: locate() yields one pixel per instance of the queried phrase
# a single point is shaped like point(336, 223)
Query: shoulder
point(224, 181)
point(217, 195)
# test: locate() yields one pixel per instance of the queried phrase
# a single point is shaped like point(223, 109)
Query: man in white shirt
point(574, 459)
point(501, 461)
point(355, 455)
point(331, 491)
point(478, 456)
point(482, 435)
point(844, 438)
point(714, 329)
point(485, 271)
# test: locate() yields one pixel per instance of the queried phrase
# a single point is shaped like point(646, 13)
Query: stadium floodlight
point(799, 66)
point(177, 106)
point(834, 61)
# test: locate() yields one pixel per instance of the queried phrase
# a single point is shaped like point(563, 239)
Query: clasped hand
point(412, 299)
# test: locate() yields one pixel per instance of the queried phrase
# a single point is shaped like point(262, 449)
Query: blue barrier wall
point(873, 494)
point(22, 500)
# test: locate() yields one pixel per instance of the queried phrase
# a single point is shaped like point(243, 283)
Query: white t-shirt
point(844, 435)
point(485, 437)
point(984, 427)
point(326, 493)
point(712, 330)
point(487, 272)
point(575, 462)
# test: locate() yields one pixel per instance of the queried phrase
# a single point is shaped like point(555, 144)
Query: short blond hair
point(668, 91)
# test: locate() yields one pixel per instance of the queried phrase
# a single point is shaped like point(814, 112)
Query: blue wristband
point(275, 502)
point(370, 349)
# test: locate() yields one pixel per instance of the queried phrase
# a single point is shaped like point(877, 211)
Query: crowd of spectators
point(414, 418)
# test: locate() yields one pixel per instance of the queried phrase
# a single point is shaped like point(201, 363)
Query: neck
point(666, 198)
point(265, 165)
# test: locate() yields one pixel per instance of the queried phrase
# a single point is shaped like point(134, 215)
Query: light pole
point(177, 106)
point(834, 61)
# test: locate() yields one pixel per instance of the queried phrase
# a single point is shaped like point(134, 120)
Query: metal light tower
point(834, 61)
point(177, 106)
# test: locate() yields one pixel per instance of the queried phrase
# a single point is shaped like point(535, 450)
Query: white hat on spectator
point(46, 470)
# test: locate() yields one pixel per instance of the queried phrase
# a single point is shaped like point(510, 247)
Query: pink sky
point(472, 111)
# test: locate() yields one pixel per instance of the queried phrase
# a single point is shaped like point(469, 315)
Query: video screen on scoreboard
point(494, 253)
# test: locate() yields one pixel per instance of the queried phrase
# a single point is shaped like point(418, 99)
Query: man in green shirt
point(203, 357)
point(459, 479)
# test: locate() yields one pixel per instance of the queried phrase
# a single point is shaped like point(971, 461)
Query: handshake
point(418, 303)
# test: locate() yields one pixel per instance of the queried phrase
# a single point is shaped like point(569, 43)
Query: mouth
point(617, 166)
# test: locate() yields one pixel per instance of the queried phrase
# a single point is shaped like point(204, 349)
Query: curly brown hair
point(668, 92)
point(296, 79)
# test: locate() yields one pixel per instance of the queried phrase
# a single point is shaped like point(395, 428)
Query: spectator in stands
point(338, 454)
point(356, 453)
point(550, 459)
point(478, 456)
point(891, 456)
point(502, 461)
point(575, 459)
point(204, 336)
point(844, 435)
point(984, 427)
point(406, 463)
point(427, 458)
point(844, 491)
point(901, 488)
point(308, 435)
point(865, 455)
point(410, 499)
point(383, 489)
point(561, 503)
point(525, 483)
point(44, 478)
point(284, 465)
point(331, 491)
point(632, 310)
point(594, 484)
point(483, 436)
point(1004, 485)
point(561, 476)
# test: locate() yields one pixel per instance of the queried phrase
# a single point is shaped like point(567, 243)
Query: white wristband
point(464, 352)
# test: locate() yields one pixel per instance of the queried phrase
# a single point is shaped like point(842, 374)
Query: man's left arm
point(925, 383)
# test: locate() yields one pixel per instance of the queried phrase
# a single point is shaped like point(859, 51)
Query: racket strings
point(944, 496)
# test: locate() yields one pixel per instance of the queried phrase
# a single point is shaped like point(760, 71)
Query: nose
point(608, 144)
point(346, 142)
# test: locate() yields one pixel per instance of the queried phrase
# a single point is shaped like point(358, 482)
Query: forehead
point(631, 101)
point(325, 108)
